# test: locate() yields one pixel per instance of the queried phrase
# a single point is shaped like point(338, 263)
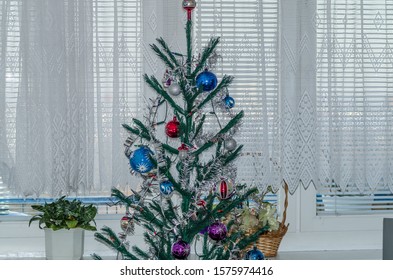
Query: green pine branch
point(169, 53)
point(137, 132)
point(189, 48)
point(207, 51)
point(162, 56)
point(225, 82)
point(224, 130)
point(154, 84)
point(199, 127)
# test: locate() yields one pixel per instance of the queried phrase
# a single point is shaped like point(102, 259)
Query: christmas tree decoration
point(189, 5)
point(183, 151)
point(225, 189)
point(166, 188)
point(230, 144)
point(172, 128)
point(213, 59)
point(206, 80)
point(201, 203)
point(217, 231)
point(127, 224)
point(140, 160)
point(254, 254)
point(229, 102)
point(181, 249)
point(174, 89)
point(166, 79)
point(200, 171)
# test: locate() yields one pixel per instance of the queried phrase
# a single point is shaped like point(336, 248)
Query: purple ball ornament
point(207, 80)
point(217, 231)
point(180, 249)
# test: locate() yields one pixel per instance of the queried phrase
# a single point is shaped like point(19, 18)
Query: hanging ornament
point(127, 224)
point(189, 5)
point(207, 80)
point(230, 144)
point(140, 160)
point(229, 102)
point(225, 189)
point(254, 254)
point(166, 80)
point(128, 145)
point(174, 89)
point(201, 203)
point(183, 151)
point(213, 58)
point(217, 231)
point(166, 188)
point(180, 249)
point(172, 128)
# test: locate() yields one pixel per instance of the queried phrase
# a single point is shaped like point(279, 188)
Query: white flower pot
point(64, 244)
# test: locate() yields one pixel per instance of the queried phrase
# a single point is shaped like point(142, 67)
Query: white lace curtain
point(336, 95)
point(315, 81)
point(318, 105)
point(70, 77)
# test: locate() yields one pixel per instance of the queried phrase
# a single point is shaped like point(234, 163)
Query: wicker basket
point(269, 242)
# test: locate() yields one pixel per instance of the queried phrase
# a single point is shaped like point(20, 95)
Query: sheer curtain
point(70, 77)
point(355, 95)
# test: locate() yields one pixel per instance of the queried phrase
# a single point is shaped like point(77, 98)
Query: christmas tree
point(188, 193)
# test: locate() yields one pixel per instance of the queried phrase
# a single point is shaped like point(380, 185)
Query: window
point(71, 75)
point(354, 101)
point(248, 50)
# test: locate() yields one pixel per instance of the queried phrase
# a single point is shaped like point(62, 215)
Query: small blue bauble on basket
point(254, 254)
point(229, 102)
point(207, 80)
point(166, 188)
point(140, 160)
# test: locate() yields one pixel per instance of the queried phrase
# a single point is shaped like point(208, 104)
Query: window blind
point(249, 52)
point(354, 101)
point(71, 74)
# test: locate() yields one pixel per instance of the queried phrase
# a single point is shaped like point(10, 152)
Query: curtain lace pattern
point(313, 77)
point(71, 78)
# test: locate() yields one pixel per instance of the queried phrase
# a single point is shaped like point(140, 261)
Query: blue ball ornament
point(254, 254)
point(207, 80)
point(166, 188)
point(140, 160)
point(229, 102)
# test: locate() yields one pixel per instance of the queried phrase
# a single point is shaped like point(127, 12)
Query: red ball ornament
point(172, 128)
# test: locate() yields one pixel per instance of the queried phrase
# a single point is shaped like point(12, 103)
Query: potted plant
point(65, 222)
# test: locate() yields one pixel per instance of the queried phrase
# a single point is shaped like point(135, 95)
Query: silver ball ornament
point(174, 89)
point(230, 144)
point(127, 224)
point(183, 155)
point(189, 4)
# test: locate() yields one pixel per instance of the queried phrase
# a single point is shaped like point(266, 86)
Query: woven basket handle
point(284, 214)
